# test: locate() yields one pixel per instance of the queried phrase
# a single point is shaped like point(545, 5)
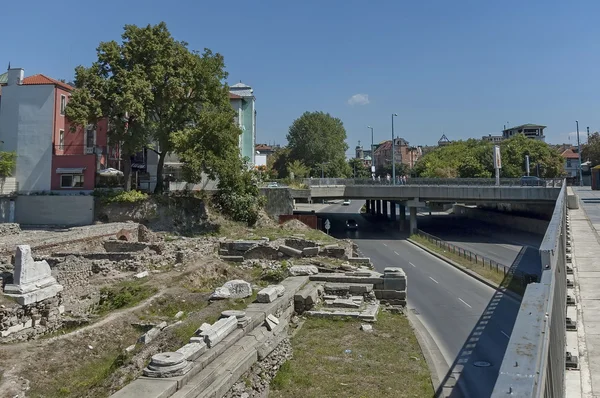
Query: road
point(469, 321)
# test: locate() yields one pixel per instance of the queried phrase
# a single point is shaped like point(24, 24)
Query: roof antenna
point(8, 65)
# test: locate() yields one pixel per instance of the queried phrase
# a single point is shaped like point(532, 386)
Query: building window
point(63, 104)
point(569, 163)
point(71, 181)
point(61, 140)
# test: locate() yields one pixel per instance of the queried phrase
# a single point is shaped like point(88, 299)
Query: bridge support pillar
point(402, 216)
point(373, 209)
point(384, 208)
point(378, 207)
point(413, 220)
point(367, 206)
point(393, 210)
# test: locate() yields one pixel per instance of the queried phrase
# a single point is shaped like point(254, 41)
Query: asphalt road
point(470, 322)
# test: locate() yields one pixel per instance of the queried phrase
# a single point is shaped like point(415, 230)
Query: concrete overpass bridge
point(386, 199)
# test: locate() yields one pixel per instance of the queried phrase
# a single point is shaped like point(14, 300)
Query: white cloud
point(359, 99)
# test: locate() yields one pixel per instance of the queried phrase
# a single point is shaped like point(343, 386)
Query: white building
point(533, 131)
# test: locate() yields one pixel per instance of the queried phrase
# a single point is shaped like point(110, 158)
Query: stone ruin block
point(32, 280)
point(167, 364)
point(333, 251)
point(125, 235)
point(302, 270)
point(219, 330)
point(300, 244)
point(290, 251)
point(261, 253)
point(270, 293)
point(310, 251)
point(192, 351)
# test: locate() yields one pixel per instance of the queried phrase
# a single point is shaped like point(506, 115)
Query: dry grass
point(490, 274)
point(384, 363)
point(235, 230)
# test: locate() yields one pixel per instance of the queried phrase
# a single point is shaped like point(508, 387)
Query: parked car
point(532, 181)
point(346, 202)
point(351, 224)
point(272, 185)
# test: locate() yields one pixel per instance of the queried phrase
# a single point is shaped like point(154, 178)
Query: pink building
point(50, 156)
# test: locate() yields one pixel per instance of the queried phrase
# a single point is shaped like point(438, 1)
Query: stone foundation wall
point(25, 322)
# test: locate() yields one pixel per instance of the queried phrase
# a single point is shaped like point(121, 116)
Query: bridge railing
point(511, 182)
point(535, 360)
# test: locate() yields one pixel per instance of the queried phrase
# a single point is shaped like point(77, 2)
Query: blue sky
point(463, 68)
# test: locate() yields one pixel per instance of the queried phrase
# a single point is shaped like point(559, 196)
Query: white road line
point(507, 336)
point(435, 281)
point(465, 303)
point(384, 244)
point(397, 254)
point(411, 264)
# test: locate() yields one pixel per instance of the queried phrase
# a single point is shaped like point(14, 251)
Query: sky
point(464, 68)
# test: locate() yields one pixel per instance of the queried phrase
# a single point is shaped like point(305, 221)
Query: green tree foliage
point(359, 170)
point(474, 159)
point(8, 161)
point(151, 87)
point(297, 169)
point(591, 150)
point(318, 140)
point(401, 170)
point(277, 163)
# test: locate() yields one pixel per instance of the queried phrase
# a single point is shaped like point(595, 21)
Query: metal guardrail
point(535, 360)
point(473, 257)
point(505, 182)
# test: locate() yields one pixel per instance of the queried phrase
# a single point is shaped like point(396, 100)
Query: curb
point(430, 350)
point(473, 274)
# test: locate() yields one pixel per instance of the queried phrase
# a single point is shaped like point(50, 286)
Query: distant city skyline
point(463, 69)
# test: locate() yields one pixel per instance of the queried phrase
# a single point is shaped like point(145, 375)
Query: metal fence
point(535, 360)
point(475, 258)
point(507, 182)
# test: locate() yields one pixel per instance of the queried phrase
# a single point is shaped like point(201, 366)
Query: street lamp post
point(579, 153)
point(588, 131)
point(393, 152)
point(372, 151)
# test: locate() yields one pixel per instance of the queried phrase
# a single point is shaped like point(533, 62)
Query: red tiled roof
point(264, 147)
point(570, 154)
point(43, 79)
point(234, 96)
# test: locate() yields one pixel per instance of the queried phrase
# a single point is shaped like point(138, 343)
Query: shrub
point(112, 196)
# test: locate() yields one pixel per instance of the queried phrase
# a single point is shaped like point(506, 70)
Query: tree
point(151, 88)
point(474, 159)
point(297, 169)
point(277, 163)
point(591, 150)
point(401, 170)
point(318, 140)
point(8, 161)
point(359, 170)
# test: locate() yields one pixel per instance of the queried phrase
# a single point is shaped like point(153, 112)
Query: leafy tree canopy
point(591, 150)
point(474, 159)
point(152, 88)
point(318, 140)
point(359, 170)
point(8, 161)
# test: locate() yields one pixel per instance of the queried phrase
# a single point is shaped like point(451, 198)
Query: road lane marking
point(384, 244)
point(411, 264)
point(507, 336)
point(435, 281)
point(465, 303)
point(397, 254)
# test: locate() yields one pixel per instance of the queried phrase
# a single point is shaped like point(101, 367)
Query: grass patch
point(233, 230)
point(123, 295)
point(165, 307)
point(385, 363)
point(491, 274)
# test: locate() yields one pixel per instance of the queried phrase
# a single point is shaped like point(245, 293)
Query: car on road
point(346, 202)
point(351, 224)
point(532, 181)
point(272, 185)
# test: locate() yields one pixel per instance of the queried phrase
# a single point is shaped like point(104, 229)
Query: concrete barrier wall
point(279, 201)
point(54, 210)
point(526, 224)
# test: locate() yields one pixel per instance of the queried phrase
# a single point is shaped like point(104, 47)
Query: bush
point(111, 196)
point(240, 207)
point(123, 295)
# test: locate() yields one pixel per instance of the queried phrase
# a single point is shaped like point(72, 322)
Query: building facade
point(50, 155)
point(243, 102)
point(533, 131)
point(492, 138)
point(571, 159)
point(403, 153)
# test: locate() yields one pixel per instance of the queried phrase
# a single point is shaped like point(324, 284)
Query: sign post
point(497, 163)
point(327, 226)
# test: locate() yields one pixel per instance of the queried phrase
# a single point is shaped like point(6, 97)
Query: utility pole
point(588, 131)
point(579, 153)
point(393, 152)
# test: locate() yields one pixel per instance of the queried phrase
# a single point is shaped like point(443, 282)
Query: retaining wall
point(54, 210)
point(279, 201)
point(526, 224)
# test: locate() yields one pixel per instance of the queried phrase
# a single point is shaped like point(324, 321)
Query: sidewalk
point(585, 342)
